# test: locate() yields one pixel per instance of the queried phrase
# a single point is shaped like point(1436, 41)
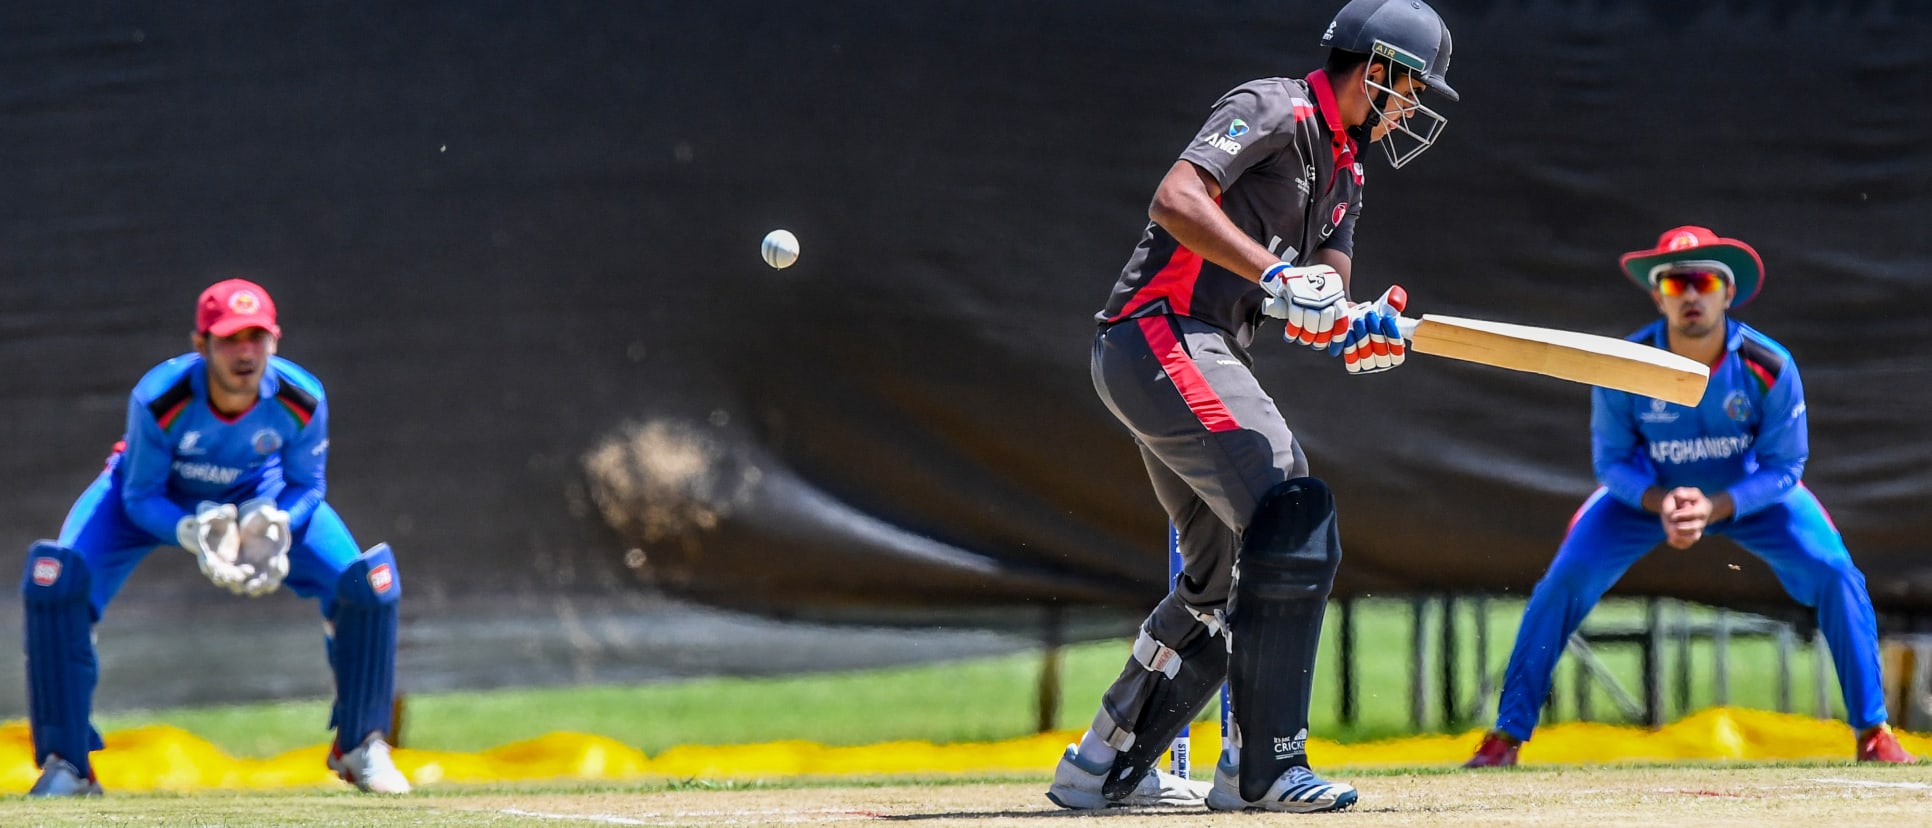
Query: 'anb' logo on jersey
point(1223, 142)
point(1238, 128)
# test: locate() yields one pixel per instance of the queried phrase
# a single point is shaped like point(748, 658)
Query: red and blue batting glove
point(1374, 340)
point(1310, 300)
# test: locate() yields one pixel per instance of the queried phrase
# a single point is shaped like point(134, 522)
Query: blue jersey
point(1746, 436)
point(179, 451)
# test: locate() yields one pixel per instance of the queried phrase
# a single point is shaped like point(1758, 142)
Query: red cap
point(235, 305)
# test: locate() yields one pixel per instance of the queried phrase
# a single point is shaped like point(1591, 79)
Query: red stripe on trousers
point(1186, 376)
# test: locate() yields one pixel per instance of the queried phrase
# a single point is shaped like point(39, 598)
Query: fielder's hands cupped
point(1374, 340)
point(213, 535)
point(1310, 300)
point(1685, 513)
point(265, 541)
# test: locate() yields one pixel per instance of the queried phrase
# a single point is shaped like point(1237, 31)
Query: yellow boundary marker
point(170, 759)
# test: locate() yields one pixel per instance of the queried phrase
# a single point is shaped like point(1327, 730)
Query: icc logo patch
point(1737, 407)
point(382, 578)
point(267, 441)
point(46, 571)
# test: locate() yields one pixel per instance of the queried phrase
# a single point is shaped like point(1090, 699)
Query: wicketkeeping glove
point(1309, 299)
point(265, 541)
point(1374, 341)
point(213, 535)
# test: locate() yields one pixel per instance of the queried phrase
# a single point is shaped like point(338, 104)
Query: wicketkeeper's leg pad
point(362, 648)
point(61, 667)
point(1286, 567)
point(1179, 660)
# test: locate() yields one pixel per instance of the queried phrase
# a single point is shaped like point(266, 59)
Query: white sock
point(1095, 750)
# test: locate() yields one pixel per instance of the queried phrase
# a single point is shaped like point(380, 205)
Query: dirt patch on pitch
point(1596, 797)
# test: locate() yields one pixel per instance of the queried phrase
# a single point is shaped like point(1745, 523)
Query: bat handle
point(1407, 326)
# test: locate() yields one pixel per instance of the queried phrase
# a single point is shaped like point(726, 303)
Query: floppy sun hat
point(1697, 248)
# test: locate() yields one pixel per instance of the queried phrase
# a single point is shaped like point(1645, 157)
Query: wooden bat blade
point(1577, 357)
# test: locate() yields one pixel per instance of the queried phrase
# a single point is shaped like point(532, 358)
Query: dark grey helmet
point(1406, 32)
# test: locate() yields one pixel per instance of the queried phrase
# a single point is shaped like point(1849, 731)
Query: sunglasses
point(1677, 282)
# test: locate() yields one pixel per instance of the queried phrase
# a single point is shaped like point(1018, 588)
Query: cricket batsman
point(1256, 218)
point(1732, 465)
point(223, 456)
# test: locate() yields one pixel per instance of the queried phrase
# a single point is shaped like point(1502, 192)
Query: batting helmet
point(1407, 32)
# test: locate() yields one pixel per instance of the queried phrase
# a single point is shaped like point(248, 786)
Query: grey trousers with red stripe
point(1214, 445)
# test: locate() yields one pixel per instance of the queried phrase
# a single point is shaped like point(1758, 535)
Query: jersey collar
point(1733, 335)
point(1342, 146)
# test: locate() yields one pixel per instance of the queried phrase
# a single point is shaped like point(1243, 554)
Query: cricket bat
point(1577, 357)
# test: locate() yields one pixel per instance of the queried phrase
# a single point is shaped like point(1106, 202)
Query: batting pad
point(61, 668)
point(1287, 561)
point(363, 649)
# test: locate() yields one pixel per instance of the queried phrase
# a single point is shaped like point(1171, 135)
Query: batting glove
point(212, 535)
point(1374, 341)
point(1309, 299)
point(265, 541)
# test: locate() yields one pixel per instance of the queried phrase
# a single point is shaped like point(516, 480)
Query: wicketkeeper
point(223, 456)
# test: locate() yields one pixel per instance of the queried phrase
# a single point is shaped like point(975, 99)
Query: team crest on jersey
point(244, 301)
point(46, 571)
point(267, 441)
point(1340, 211)
point(1737, 407)
point(1659, 413)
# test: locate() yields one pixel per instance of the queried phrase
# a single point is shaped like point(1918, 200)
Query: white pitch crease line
point(603, 819)
point(737, 817)
point(1862, 783)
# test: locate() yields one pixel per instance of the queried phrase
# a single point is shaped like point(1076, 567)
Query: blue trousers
point(1794, 536)
point(61, 659)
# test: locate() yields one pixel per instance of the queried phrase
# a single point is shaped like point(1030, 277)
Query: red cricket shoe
point(1498, 750)
point(1879, 745)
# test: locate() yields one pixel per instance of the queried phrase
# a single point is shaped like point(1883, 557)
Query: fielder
point(1729, 466)
point(1256, 218)
point(223, 456)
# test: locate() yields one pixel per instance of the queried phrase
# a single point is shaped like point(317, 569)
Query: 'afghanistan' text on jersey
point(1747, 436)
point(178, 451)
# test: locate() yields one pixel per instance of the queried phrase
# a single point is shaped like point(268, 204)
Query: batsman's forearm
point(1186, 208)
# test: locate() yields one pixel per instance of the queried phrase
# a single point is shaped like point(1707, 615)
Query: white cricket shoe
point(1298, 791)
point(1077, 786)
point(369, 767)
point(58, 777)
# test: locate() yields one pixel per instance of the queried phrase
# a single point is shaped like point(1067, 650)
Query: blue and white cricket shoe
point(1299, 791)
point(1076, 785)
point(58, 777)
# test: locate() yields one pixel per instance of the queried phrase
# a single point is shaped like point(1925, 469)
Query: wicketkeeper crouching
point(223, 456)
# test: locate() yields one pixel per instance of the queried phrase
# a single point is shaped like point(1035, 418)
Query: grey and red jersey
point(1276, 147)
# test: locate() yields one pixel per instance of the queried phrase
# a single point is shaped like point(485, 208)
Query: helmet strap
point(1362, 131)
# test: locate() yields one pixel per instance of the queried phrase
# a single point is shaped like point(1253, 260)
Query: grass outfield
point(1758, 796)
point(976, 700)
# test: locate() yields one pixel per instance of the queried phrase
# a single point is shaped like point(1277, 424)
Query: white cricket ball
point(780, 248)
